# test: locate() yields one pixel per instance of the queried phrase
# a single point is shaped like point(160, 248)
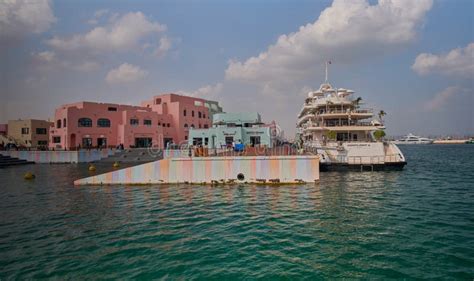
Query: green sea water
point(412, 224)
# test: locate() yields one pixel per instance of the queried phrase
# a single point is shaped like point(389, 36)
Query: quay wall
point(215, 170)
point(60, 156)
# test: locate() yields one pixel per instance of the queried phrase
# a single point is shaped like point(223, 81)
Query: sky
point(412, 59)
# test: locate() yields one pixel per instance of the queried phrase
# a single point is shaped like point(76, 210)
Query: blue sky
point(413, 59)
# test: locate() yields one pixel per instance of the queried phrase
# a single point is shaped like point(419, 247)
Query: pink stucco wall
point(3, 129)
point(166, 113)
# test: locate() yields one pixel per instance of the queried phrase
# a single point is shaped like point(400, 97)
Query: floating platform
point(215, 170)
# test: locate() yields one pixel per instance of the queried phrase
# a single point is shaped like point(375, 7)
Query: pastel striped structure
point(60, 156)
point(214, 170)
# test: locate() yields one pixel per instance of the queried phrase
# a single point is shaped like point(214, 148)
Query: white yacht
point(412, 139)
point(333, 125)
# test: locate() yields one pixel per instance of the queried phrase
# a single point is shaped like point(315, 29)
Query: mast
point(327, 63)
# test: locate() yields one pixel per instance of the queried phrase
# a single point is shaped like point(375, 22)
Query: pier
point(215, 170)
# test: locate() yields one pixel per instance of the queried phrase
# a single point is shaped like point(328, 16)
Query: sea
point(417, 223)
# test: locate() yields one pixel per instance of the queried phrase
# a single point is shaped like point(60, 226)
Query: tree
point(356, 102)
point(331, 135)
point(379, 134)
point(381, 115)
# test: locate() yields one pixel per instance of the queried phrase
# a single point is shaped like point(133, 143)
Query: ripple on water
point(415, 223)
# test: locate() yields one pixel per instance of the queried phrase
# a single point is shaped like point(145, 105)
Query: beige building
point(30, 133)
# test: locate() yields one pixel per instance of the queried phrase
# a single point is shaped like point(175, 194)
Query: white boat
point(332, 124)
point(412, 139)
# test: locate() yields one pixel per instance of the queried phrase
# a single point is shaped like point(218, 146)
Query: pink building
point(159, 122)
point(3, 129)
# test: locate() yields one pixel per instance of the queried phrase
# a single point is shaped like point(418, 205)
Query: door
point(255, 140)
point(87, 142)
point(143, 142)
point(101, 142)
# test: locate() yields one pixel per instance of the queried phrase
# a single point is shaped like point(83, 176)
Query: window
point(199, 114)
point(158, 101)
point(185, 125)
point(169, 125)
point(56, 139)
point(184, 112)
point(206, 126)
point(25, 131)
point(134, 122)
point(58, 124)
point(199, 126)
point(147, 122)
point(164, 125)
point(192, 126)
point(203, 115)
point(192, 113)
point(197, 141)
point(103, 122)
point(42, 142)
point(112, 109)
point(84, 122)
point(185, 137)
point(64, 122)
point(41, 131)
point(159, 123)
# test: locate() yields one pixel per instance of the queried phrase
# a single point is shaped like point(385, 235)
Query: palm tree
point(357, 101)
point(381, 115)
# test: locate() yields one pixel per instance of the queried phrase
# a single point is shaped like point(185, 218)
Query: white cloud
point(125, 73)
point(440, 99)
point(87, 66)
point(121, 34)
point(346, 31)
point(458, 62)
point(46, 56)
point(97, 16)
point(19, 18)
point(211, 92)
point(164, 46)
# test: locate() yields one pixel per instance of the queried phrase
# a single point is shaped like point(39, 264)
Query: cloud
point(211, 92)
point(345, 31)
point(125, 73)
point(18, 18)
point(97, 16)
point(122, 34)
point(164, 47)
point(458, 62)
point(440, 99)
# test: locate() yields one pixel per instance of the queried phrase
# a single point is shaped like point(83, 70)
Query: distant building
point(159, 122)
point(30, 132)
point(228, 128)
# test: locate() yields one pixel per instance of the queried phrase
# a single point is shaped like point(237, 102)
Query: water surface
point(415, 223)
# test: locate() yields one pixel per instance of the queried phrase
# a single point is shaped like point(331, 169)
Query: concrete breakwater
point(215, 170)
point(60, 156)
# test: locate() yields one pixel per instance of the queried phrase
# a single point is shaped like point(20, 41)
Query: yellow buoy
point(116, 164)
point(91, 168)
point(29, 176)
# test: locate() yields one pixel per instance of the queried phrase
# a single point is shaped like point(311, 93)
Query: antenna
point(327, 63)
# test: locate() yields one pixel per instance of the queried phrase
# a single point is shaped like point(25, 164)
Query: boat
point(412, 139)
point(333, 125)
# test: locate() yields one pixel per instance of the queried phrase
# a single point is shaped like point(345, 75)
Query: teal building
point(228, 128)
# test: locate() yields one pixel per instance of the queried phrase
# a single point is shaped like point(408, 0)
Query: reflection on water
point(406, 224)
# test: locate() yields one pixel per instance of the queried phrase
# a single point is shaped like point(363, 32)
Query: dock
point(290, 169)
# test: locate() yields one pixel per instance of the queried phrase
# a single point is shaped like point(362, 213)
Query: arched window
point(84, 122)
point(192, 113)
point(192, 126)
point(58, 124)
point(199, 114)
point(185, 125)
point(103, 122)
point(64, 122)
point(184, 112)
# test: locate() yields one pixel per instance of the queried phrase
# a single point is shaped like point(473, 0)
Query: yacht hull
point(344, 167)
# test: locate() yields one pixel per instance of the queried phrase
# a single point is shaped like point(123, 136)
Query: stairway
point(6, 161)
point(134, 155)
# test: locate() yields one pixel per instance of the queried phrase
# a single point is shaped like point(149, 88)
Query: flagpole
point(326, 72)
